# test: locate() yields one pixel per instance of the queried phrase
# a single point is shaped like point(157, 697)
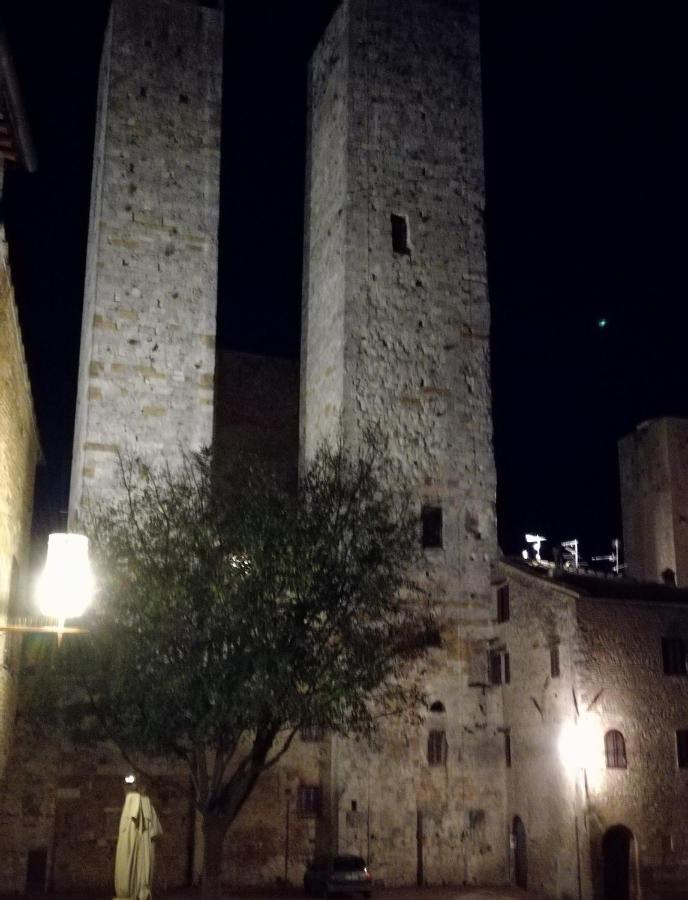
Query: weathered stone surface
point(19, 451)
point(147, 354)
point(400, 340)
point(609, 639)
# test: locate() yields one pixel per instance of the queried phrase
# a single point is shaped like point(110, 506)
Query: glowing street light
point(65, 587)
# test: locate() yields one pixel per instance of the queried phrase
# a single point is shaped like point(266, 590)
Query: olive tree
point(231, 613)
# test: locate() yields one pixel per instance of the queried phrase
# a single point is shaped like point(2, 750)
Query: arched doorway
point(518, 836)
point(616, 860)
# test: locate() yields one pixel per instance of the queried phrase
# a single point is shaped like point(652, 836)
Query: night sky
point(586, 149)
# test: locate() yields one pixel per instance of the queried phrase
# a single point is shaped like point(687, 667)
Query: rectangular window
point(682, 748)
point(554, 661)
point(503, 603)
point(674, 656)
point(401, 242)
point(431, 518)
point(507, 749)
point(308, 801)
point(494, 666)
point(499, 667)
point(437, 748)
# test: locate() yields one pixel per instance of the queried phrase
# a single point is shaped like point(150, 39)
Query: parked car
point(328, 875)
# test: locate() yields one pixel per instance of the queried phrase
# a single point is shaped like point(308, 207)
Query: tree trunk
point(214, 832)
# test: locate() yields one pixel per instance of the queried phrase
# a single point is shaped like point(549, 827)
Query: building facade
point(19, 445)
point(595, 693)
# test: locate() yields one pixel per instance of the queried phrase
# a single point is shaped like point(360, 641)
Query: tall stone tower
point(395, 333)
point(148, 338)
point(653, 464)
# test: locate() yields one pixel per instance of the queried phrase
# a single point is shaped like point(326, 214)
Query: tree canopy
point(232, 612)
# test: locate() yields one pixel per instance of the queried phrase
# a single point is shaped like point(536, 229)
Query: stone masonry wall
point(148, 341)
point(399, 340)
point(611, 677)
point(541, 791)
point(19, 452)
point(622, 683)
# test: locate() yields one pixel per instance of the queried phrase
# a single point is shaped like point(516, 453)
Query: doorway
point(616, 859)
point(518, 836)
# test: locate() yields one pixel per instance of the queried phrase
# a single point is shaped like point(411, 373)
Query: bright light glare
point(579, 745)
point(65, 587)
point(130, 779)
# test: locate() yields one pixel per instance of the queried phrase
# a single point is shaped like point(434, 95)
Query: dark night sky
point(586, 155)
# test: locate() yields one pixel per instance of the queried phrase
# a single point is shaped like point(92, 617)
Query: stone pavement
point(430, 893)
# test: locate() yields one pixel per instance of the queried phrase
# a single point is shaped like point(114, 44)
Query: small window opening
point(674, 656)
point(437, 748)
point(36, 870)
point(499, 667)
point(554, 661)
point(682, 748)
point(308, 801)
point(354, 806)
point(507, 749)
point(401, 242)
point(615, 750)
point(437, 707)
point(503, 603)
point(431, 517)
point(183, 98)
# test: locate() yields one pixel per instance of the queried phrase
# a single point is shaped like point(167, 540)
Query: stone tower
point(148, 337)
point(395, 333)
point(653, 464)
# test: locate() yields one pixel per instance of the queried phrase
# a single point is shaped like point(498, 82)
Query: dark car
point(328, 875)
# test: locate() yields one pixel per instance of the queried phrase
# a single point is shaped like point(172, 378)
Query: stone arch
point(618, 863)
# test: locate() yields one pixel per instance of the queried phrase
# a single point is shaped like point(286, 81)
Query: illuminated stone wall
point(398, 338)
point(19, 453)
point(609, 634)
point(147, 361)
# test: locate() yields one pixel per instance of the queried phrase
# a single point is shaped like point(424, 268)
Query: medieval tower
point(395, 333)
point(148, 338)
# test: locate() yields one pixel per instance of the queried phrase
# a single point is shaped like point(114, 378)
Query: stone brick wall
point(653, 463)
point(146, 378)
point(399, 340)
point(611, 678)
point(19, 452)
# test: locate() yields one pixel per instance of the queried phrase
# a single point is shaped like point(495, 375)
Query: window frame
point(308, 801)
point(682, 748)
point(503, 603)
point(437, 747)
point(615, 749)
point(432, 526)
point(674, 656)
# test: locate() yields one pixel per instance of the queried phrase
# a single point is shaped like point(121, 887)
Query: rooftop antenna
point(613, 557)
point(571, 549)
point(536, 540)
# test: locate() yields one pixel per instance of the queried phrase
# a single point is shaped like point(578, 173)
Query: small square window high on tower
point(431, 518)
point(401, 238)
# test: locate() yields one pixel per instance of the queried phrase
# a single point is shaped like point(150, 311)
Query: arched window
point(615, 750)
point(437, 707)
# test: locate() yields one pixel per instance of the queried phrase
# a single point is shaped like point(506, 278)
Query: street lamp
point(64, 588)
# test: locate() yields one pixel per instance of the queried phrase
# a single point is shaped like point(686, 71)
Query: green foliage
point(231, 613)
